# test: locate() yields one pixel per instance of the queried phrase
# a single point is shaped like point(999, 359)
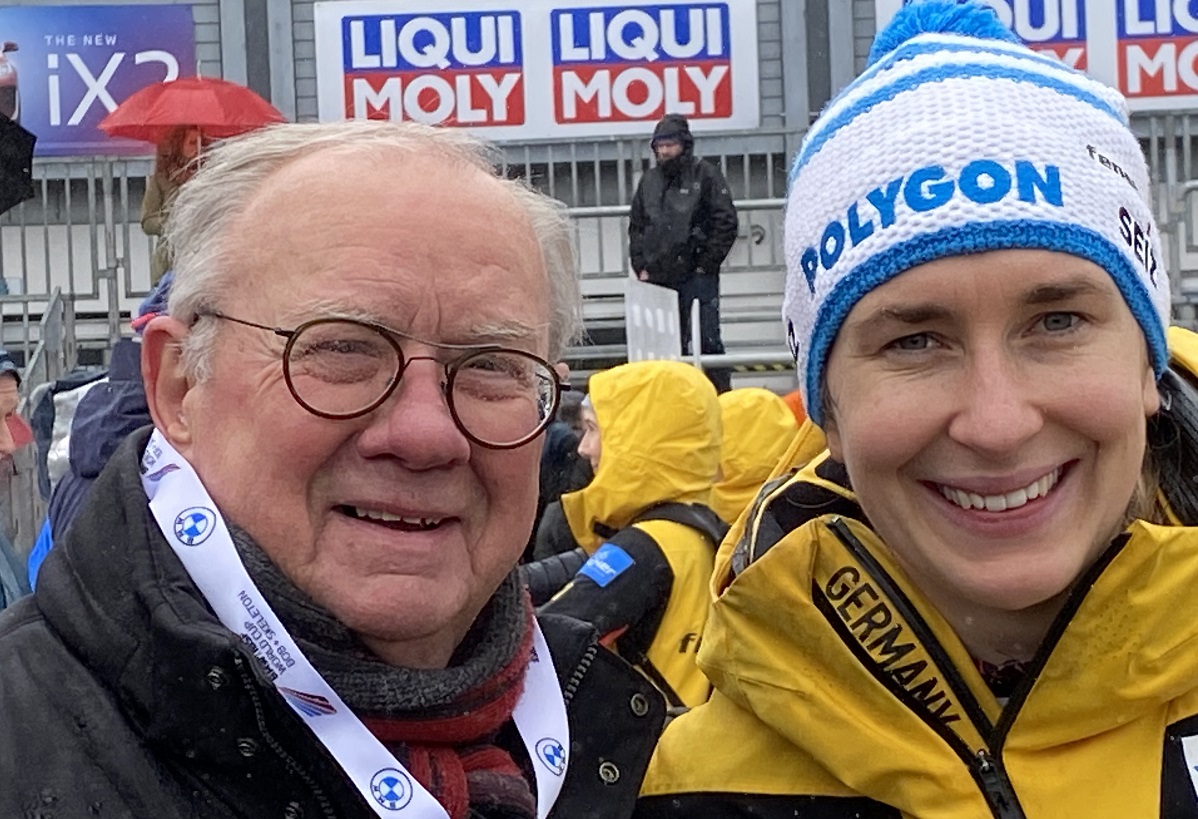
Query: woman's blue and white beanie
point(959, 139)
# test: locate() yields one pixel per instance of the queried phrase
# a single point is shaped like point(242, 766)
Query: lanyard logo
point(311, 705)
point(391, 788)
point(552, 754)
point(161, 473)
point(194, 525)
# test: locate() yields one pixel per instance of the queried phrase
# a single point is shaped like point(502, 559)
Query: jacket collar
point(823, 638)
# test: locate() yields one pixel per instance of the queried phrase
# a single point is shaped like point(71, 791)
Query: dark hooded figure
point(681, 226)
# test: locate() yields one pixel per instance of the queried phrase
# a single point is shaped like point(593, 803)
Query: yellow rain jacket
point(758, 430)
point(840, 691)
point(659, 425)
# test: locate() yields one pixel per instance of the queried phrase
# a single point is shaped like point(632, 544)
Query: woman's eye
point(919, 341)
point(1056, 322)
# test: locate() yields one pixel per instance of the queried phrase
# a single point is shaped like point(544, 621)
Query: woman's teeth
point(1001, 503)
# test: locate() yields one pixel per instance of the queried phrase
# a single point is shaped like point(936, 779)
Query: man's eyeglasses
point(342, 368)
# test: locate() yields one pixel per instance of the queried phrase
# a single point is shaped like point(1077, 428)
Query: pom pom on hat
point(939, 16)
point(959, 139)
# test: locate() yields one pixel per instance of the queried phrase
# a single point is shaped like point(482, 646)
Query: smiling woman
point(965, 606)
point(985, 406)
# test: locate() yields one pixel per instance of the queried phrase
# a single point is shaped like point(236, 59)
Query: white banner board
point(651, 322)
point(1148, 49)
point(537, 69)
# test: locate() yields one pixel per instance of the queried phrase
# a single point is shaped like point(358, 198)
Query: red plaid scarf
point(455, 757)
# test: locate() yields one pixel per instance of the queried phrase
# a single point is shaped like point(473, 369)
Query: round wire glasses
point(344, 368)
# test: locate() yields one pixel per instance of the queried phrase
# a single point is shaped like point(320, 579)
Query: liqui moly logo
point(538, 69)
point(627, 64)
point(1147, 49)
point(455, 68)
point(1158, 47)
point(1056, 27)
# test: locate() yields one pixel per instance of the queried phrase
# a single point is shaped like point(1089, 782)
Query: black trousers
point(704, 289)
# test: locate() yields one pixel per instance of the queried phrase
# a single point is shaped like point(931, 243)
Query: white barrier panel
point(651, 321)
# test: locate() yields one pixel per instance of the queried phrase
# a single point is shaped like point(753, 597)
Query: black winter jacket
point(121, 695)
point(682, 224)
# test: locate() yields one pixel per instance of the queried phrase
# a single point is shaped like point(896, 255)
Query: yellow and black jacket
point(645, 522)
point(840, 692)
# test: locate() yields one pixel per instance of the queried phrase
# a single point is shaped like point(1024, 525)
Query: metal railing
point(752, 282)
point(606, 171)
point(55, 352)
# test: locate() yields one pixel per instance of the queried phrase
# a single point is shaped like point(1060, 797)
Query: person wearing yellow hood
point(979, 601)
point(758, 430)
point(652, 433)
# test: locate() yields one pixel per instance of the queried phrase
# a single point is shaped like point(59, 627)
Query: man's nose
point(415, 423)
point(996, 409)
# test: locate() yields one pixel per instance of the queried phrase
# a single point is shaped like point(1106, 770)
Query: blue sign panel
point(63, 68)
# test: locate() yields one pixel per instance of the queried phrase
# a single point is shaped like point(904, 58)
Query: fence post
point(110, 259)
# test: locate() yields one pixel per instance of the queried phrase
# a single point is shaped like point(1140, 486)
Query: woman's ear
point(832, 437)
point(1153, 398)
point(165, 379)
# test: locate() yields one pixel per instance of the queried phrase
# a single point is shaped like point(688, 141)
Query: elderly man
point(303, 602)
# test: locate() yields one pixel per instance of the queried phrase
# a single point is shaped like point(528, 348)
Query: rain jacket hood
point(758, 430)
point(659, 423)
point(675, 126)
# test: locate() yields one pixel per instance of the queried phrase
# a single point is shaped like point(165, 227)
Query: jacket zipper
point(248, 682)
point(580, 671)
point(997, 787)
point(987, 771)
point(986, 764)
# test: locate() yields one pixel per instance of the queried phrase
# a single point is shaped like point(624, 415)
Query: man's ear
point(166, 383)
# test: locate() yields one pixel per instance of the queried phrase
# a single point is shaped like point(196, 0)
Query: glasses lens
point(503, 397)
point(340, 367)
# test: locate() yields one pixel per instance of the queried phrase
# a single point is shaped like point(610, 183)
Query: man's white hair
point(232, 173)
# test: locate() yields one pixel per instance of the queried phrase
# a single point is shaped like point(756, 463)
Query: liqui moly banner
point(1148, 49)
point(533, 69)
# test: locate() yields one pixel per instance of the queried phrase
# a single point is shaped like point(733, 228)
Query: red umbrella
point(217, 107)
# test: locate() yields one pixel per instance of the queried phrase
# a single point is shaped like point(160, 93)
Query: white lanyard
point(196, 531)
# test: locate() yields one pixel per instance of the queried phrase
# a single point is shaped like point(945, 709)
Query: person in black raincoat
point(681, 225)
